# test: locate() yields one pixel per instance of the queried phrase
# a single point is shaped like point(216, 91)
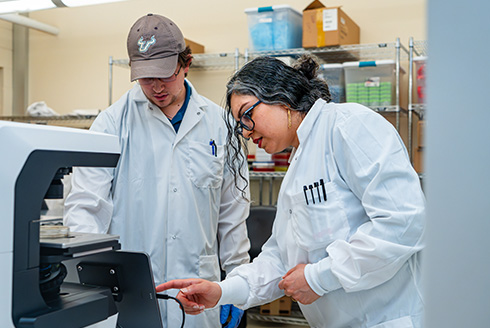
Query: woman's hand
point(195, 294)
point(294, 285)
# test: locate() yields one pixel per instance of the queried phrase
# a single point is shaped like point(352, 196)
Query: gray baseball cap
point(154, 43)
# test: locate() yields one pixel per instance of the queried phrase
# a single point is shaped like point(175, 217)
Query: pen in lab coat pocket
point(323, 188)
point(312, 195)
point(306, 196)
point(214, 149)
point(318, 191)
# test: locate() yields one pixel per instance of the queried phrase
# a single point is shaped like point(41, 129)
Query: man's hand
point(233, 312)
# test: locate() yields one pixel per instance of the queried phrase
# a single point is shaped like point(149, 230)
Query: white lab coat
point(169, 195)
point(361, 245)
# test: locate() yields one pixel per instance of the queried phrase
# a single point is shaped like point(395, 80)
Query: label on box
point(330, 20)
point(265, 20)
point(372, 82)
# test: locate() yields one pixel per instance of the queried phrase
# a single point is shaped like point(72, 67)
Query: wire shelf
point(387, 109)
point(288, 320)
point(120, 62)
point(217, 61)
point(420, 47)
point(258, 175)
point(79, 121)
point(355, 52)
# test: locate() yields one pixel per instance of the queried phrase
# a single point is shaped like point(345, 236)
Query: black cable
point(166, 297)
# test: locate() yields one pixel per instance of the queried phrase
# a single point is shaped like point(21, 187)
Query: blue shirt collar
point(177, 119)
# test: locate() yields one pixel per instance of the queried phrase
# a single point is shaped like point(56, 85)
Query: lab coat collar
point(306, 126)
point(196, 109)
point(139, 96)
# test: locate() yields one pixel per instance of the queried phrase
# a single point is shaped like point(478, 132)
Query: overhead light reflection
point(23, 6)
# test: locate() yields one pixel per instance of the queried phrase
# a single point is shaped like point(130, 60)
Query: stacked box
point(334, 75)
point(371, 83)
point(324, 27)
point(274, 28)
point(281, 306)
point(371, 95)
point(351, 92)
point(419, 80)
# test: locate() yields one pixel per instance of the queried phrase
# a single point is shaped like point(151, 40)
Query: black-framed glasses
point(151, 80)
point(246, 121)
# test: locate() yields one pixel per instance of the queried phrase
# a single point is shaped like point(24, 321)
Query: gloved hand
point(228, 310)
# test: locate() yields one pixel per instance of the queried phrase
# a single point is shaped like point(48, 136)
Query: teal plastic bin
point(274, 28)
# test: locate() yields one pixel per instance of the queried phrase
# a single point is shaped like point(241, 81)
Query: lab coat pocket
point(209, 267)
point(318, 224)
point(205, 164)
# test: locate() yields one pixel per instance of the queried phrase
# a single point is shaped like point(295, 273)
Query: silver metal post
point(261, 186)
point(110, 79)
point(410, 100)
point(237, 59)
point(271, 182)
point(397, 90)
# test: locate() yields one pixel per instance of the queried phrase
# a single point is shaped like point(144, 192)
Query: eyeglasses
point(151, 80)
point(246, 121)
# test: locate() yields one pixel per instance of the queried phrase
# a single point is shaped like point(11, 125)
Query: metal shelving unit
point(419, 48)
point(291, 320)
point(336, 54)
point(295, 318)
point(355, 52)
point(76, 121)
point(271, 177)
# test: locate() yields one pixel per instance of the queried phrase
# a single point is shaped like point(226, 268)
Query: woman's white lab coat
point(169, 196)
point(361, 243)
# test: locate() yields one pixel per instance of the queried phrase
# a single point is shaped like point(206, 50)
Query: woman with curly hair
point(350, 214)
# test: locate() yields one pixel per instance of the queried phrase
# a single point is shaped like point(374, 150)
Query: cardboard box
point(328, 26)
point(281, 306)
point(421, 133)
point(418, 160)
point(196, 48)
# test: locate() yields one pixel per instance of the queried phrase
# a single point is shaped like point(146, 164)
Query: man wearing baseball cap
point(171, 194)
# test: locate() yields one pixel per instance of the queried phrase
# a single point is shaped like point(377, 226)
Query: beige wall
point(70, 71)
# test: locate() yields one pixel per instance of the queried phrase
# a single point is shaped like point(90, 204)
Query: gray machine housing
point(112, 285)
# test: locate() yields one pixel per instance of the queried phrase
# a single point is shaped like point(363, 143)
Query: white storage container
point(334, 75)
point(274, 28)
point(371, 83)
point(419, 79)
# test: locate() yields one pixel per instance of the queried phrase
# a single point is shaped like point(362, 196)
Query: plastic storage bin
point(274, 28)
point(371, 83)
point(419, 78)
point(334, 75)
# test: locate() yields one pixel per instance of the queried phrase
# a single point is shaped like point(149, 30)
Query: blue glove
point(228, 310)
